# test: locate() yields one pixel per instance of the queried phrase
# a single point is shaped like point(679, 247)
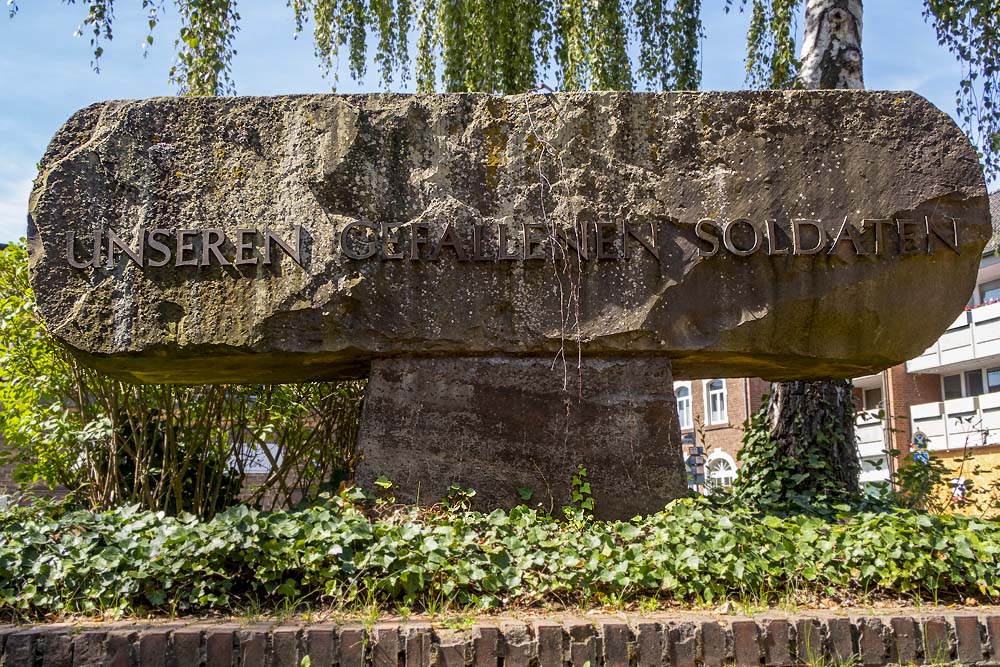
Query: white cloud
point(14, 209)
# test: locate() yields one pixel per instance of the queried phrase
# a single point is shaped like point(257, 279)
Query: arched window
point(720, 470)
point(715, 402)
point(683, 394)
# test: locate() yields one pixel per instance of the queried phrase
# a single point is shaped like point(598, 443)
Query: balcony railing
point(974, 335)
point(960, 422)
point(870, 431)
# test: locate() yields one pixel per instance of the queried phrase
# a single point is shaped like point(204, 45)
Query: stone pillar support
point(500, 424)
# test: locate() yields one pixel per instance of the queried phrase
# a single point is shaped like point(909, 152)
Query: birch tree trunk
point(812, 423)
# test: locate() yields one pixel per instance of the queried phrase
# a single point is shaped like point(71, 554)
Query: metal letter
point(504, 250)
point(183, 247)
point(95, 259)
point(907, 239)
point(532, 247)
point(390, 234)
point(853, 235)
point(772, 240)
point(115, 240)
point(797, 248)
point(449, 238)
point(727, 238)
point(296, 255)
point(158, 246)
point(648, 244)
point(951, 243)
point(242, 245)
point(345, 247)
point(879, 237)
point(210, 247)
point(701, 231)
point(477, 245)
point(604, 242)
point(416, 241)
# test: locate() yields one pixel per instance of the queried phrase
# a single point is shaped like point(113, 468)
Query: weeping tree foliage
point(497, 46)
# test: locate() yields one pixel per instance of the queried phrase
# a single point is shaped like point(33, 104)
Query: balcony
point(973, 421)
point(870, 431)
point(974, 335)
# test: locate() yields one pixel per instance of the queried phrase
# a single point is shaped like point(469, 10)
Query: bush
point(343, 554)
point(170, 448)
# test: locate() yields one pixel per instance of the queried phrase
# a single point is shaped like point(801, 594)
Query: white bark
point(831, 50)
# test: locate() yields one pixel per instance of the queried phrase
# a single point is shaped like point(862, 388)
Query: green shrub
point(342, 554)
point(165, 447)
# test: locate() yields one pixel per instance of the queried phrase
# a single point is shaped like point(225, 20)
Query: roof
point(994, 242)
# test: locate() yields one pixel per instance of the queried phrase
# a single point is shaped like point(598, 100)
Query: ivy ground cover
point(347, 553)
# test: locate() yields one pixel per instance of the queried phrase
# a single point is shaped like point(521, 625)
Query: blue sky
point(45, 72)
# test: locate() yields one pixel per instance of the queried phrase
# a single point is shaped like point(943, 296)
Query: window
point(993, 380)
point(720, 470)
point(873, 398)
point(715, 402)
point(683, 394)
point(970, 383)
point(990, 291)
point(952, 386)
point(974, 382)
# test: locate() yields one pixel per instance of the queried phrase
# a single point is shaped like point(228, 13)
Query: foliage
point(131, 561)
point(170, 448)
point(971, 31)
point(781, 481)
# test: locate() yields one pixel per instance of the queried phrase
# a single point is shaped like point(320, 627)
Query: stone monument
point(521, 278)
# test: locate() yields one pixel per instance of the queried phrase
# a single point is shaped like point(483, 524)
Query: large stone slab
point(780, 234)
point(501, 425)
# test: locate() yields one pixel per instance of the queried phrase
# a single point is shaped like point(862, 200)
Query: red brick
point(219, 643)
point(550, 644)
point(777, 643)
point(582, 644)
point(871, 641)
point(808, 641)
point(937, 641)
point(746, 643)
point(841, 639)
point(19, 648)
point(519, 645)
point(57, 650)
point(485, 646)
point(418, 646)
point(714, 644)
point(87, 646)
point(385, 646)
point(649, 639)
point(682, 644)
point(615, 636)
point(285, 646)
point(119, 650)
point(451, 653)
point(906, 639)
point(993, 632)
point(321, 647)
point(253, 646)
point(352, 647)
point(969, 640)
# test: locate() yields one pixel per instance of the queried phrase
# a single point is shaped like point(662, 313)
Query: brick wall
point(906, 389)
point(688, 641)
point(727, 437)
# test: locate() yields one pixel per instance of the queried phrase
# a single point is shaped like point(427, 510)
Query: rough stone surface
point(498, 425)
point(652, 161)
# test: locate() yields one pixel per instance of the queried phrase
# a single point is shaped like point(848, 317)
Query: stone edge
point(858, 641)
